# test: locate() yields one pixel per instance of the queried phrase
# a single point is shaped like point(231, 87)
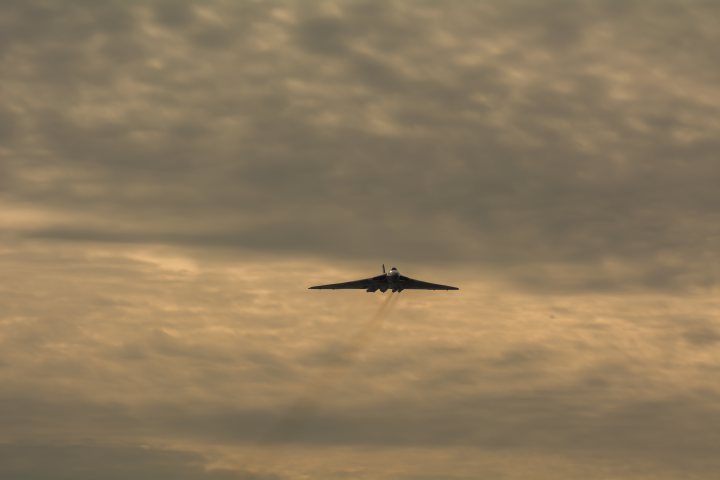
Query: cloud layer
point(175, 174)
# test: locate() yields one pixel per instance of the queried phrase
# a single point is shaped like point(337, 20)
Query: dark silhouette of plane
point(391, 280)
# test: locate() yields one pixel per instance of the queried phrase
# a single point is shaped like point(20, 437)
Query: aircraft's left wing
point(356, 284)
point(412, 284)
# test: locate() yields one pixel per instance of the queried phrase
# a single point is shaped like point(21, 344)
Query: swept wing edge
point(356, 284)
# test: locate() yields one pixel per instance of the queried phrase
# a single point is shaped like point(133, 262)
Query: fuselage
point(393, 282)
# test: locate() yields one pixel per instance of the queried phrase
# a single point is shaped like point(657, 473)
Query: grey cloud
point(702, 337)
point(174, 14)
point(670, 432)
point(169, 167)
point(8, 125)
point(323, 35)
point(512, 204)
point(136, 348)
point(86, 462)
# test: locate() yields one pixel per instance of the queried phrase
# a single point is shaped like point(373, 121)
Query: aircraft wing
point(365, 283)
point(412, 284)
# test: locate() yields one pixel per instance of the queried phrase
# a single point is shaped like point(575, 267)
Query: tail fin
point(384, 268)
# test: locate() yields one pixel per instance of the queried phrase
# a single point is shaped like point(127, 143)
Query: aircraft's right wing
point(365, 283)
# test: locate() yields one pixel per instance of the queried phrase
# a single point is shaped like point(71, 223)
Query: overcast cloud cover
point(174, 175)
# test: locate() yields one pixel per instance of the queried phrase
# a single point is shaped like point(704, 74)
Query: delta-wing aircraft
point(391, 280)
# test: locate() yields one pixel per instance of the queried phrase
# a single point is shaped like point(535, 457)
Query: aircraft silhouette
point(391, 280)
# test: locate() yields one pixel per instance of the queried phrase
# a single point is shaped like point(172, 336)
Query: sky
point(175, 174)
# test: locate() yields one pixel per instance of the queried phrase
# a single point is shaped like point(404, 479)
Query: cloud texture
point(173, 175)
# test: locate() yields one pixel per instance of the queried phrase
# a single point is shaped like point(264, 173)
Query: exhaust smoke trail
point(371, 327)
point(301, 410)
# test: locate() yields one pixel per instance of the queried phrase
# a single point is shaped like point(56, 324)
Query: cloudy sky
point(174, 175)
